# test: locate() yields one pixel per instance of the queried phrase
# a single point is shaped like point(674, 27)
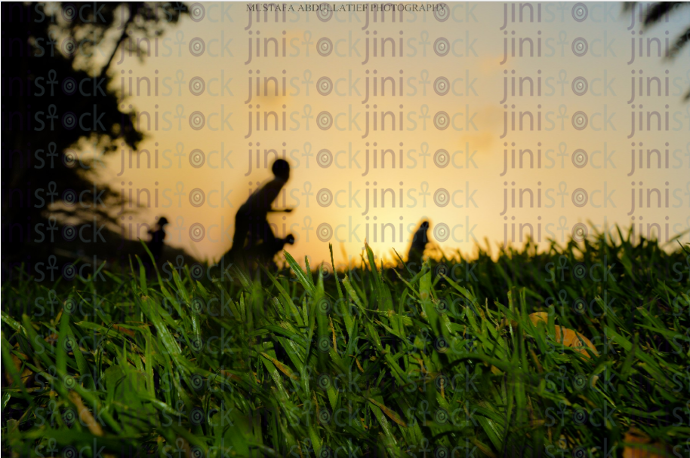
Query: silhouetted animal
point(419, 241)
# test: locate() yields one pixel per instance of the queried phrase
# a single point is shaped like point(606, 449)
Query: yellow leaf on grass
point(124, 330)
point(635, 436)
point(534, 318)
point(84, 415)
point(389, 413)
point(568, 337)
point(281, 367)
point(575, 340)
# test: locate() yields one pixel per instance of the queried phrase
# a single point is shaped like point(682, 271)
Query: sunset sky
point(472, 98)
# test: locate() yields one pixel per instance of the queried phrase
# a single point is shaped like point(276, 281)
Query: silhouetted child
point(418, 244)
point(155, 245)
point(251, 220)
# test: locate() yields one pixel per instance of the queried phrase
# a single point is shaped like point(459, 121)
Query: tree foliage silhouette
point(57, 100)
point(654, 13)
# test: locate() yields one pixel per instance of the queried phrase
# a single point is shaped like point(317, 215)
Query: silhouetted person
point(155, 245)
point(251, 220)
point(419, 241)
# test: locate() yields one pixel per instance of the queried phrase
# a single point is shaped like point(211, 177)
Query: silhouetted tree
point(56, 96)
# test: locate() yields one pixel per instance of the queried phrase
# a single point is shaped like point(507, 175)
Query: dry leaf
point(359, 366)
point(568, 337)
point(230, 375)
point(51, 339)
point(574, 340)
point(84, 415)
point(389, 413)
point(129, 332)
point(335, 345)
point(26, 375)
point(535, 318)
point(635, 436)
point(281, 367)
point(495, 370)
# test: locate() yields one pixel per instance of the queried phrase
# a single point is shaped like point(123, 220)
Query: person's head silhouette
point(281, 169)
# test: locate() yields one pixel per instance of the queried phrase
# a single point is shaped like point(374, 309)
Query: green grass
point(373, 361)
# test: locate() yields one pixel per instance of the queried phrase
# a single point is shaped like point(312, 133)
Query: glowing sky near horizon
point(476, 69)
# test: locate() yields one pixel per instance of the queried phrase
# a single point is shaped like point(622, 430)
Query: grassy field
point(372, 361)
